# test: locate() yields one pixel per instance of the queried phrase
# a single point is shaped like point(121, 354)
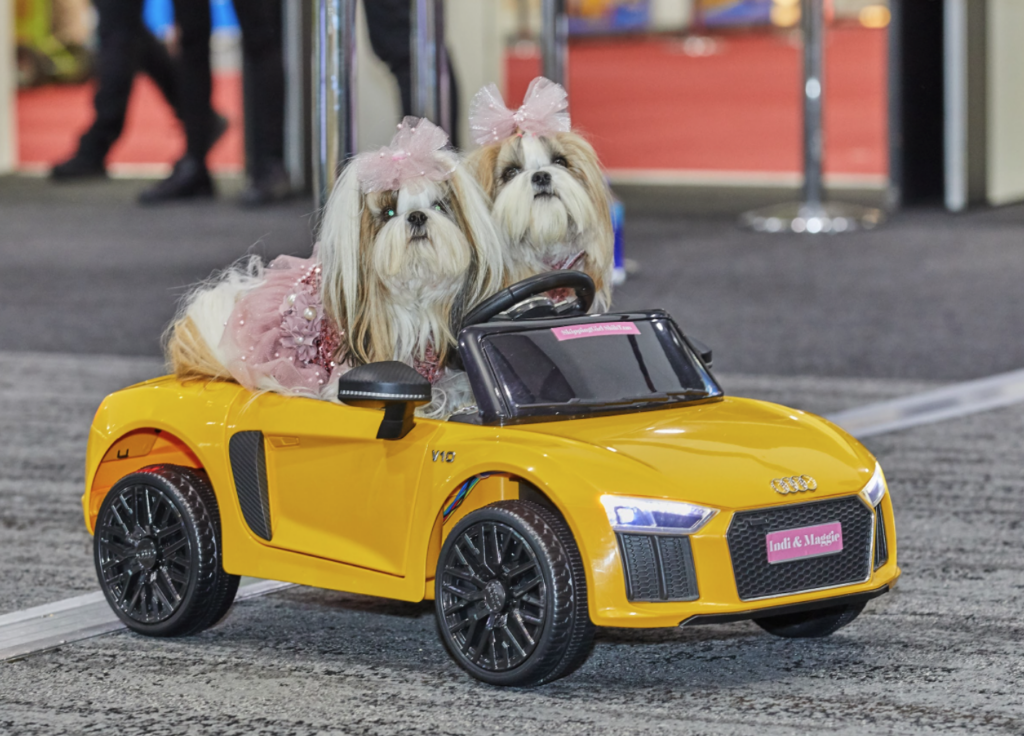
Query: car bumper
point(717, 597)
point(812, 605)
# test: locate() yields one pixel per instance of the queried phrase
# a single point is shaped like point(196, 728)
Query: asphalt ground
point(88, 280)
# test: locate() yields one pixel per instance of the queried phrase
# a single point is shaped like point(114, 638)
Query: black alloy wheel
point(510, 595)
point(810, 624)
point(157, 551)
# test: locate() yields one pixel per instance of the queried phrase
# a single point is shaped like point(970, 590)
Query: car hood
point(724, 453)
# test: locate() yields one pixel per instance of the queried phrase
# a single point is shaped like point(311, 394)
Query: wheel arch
point(131, 450)
point(494, 485)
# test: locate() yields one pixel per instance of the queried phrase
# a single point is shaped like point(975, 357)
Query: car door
point(333, 489)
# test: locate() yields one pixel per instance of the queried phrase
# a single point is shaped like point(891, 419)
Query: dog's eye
point(509, 174)
point(439, 207)
point(560, 161)
point(389, 213)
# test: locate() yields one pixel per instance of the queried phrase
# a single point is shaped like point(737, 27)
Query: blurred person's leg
point(261, 25)
point(155, 62)
point(390, 25)
point(120, 32)
point(190, 177)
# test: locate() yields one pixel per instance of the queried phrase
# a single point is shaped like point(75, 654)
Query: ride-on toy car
point(601, 479)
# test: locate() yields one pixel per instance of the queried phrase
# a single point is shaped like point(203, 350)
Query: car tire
point(511, 596)
point(157, 550)
point(810, 624)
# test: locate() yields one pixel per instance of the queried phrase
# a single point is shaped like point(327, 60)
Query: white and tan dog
point(406, 248)
point(548, 193)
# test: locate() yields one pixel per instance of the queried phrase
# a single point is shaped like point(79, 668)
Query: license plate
point(807, 541)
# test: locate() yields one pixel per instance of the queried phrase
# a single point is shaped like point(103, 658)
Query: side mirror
point(703, 350)
point(394, 386)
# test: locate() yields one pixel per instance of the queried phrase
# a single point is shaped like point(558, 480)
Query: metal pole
point(423, 46)
point(895, 116)
point(554, 41)
point(444, 87)
point(813, 215)
point(334, 89)
point(814, 90)
point(295, 33)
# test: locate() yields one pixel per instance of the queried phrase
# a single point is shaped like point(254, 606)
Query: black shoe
point(188, 180)
point(78, 167)
point(271, 186)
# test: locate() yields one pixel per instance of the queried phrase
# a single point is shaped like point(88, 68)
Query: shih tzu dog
point(549, 196)
point(406, 248)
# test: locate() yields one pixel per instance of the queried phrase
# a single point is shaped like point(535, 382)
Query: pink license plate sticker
point(807, 541)
point(597, 329)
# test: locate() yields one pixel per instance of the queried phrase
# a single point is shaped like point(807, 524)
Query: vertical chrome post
point(894, 79)
point(296, 100)
point(554, 41)
point(334, 90)
point(813, 215)
point(813, 19)
point(423, 47)
point(444, 87)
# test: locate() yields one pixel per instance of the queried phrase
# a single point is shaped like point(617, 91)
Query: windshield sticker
point(595, 330)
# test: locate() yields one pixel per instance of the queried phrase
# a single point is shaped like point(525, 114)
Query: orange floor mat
point(50, 120)
point(644, 102)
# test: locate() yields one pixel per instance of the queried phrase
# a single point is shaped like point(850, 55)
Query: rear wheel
point(810, 624)
point(157, 550)
point(511, 596)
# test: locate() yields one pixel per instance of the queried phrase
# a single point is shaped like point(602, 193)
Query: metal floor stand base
point(800, 217)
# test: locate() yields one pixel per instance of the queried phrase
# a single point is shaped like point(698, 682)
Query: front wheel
point(157, 550)
point(810, 624)
point(511, 596)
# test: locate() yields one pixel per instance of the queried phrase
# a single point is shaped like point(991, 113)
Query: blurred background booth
point(691, 104)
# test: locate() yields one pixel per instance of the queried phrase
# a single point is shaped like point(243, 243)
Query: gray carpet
point(939, 655)
point(928, 296)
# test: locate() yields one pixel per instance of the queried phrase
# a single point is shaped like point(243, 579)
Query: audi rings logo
point(794, 484)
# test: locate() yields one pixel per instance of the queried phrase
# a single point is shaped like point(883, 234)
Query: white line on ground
point(45, 627)
point(948, 402)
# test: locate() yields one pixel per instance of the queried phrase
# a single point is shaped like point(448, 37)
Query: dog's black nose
point(417, 219)
point(541, 179)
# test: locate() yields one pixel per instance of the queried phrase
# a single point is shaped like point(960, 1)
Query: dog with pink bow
point(406, 247)
point(548, 194)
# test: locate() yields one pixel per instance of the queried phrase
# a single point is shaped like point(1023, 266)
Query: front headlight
point(654, 516)
point(875, 488)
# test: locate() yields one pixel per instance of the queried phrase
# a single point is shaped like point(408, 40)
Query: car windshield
point(596, 367)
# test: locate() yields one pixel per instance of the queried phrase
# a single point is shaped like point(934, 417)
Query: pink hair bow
point(544, 111)
point(416, 156)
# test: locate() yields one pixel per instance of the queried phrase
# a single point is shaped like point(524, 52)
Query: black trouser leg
point(194, 80)
point(119, 29)
point(156, 63)
point(260, 21)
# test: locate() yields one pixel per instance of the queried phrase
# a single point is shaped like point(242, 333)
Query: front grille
point(881, 543)
point(658, 568)
point(756, 578)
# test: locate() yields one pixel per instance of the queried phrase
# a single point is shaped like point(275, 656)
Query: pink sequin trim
point(278, 333)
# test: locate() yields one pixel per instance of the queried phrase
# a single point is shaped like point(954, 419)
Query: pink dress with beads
point(278, 337)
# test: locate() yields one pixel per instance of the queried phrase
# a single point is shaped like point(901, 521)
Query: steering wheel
point(582, 284)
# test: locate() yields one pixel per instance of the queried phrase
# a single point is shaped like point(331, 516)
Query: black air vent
point(881, 543)
point(249, 467)
point(658, 568)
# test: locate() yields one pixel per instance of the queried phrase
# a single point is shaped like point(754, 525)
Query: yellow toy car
point(601, 479)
